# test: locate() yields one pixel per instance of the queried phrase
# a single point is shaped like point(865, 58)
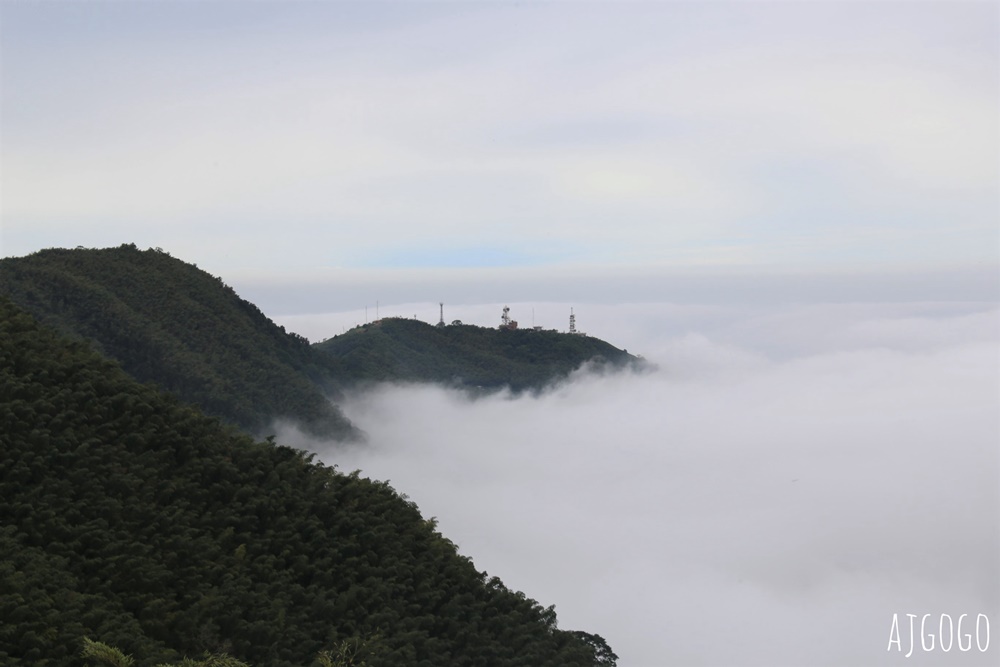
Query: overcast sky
point(339, 143)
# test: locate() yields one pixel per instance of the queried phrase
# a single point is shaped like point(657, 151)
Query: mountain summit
point(408, 350)
point(168, 322)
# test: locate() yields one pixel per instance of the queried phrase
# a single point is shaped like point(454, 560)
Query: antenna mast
point(572, 322)
point(441, 321)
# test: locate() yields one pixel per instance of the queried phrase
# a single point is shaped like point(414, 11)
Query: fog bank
point(787, 480)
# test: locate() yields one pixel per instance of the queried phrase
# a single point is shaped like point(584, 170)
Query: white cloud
point(759, 500)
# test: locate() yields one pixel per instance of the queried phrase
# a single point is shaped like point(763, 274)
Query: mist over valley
point(785, 481)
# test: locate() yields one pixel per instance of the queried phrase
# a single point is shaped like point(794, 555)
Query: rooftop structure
point(505, 321)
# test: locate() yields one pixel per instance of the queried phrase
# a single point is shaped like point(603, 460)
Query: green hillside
point(134, 520)
point(399, 349)
point(171, 323)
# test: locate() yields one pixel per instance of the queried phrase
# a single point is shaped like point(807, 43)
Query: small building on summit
point(505, 322)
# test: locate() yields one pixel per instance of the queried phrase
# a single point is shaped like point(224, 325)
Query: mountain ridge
point(467, 356)
point(129, 517)
point(168, 322)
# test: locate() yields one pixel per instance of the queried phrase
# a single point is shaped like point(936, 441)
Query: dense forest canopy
point(400, 349)
point(168, 322)
point(171, 323)
point(135, 520)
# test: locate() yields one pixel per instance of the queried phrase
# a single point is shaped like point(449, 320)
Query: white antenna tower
point(572, 322)
point(505, 319)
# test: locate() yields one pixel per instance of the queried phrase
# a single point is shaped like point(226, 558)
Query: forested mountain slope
point(133, 519)
point(171, 323)
point(400, 349)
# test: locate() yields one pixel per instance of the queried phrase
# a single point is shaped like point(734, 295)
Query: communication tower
point(441, 321)
point(505, 321)
point(572, 322)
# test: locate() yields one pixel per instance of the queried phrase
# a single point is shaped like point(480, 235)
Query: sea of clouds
point(786, 481)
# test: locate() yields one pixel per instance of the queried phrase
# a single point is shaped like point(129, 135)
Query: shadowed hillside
point(396, 349)
point(171, 323)
point(135, 520)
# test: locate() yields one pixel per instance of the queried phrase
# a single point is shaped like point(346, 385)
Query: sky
point(791, 208)
point(372, 147)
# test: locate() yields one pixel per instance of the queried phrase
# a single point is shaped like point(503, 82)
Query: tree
point(112, 657)
point(603, 655)
point(349, 653)
point(104, 654)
